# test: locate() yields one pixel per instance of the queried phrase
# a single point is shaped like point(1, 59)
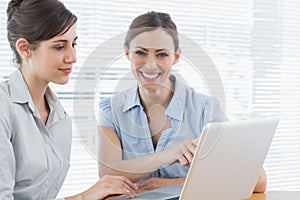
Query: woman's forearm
point(138, 168)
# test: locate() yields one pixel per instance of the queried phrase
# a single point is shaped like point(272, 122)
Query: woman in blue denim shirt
point(149, 133)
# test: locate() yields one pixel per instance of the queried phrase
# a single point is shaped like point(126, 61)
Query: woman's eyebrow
point(60, 41)
point(161, 50)
point(138, 47)
point(64, 40)
point(145, 49)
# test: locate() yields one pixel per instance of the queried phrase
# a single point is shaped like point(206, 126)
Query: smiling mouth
point(149, 76)
point(68, 70)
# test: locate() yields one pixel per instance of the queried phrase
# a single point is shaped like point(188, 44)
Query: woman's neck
point(36, 87)
point(159, 96)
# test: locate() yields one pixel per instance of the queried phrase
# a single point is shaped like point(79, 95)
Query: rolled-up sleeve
point(105, 117)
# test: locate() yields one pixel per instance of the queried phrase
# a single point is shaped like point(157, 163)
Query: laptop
point(227, 162)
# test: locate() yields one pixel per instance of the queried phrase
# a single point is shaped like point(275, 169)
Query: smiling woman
point(149, 132)
point(145, 55)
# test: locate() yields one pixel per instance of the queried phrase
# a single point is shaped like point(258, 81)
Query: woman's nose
point(151, 60)
point(70, 56)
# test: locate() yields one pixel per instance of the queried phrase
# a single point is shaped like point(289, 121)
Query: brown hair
point(151, 21)
point(36, 20)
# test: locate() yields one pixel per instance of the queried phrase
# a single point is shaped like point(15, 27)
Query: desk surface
point(273, 195)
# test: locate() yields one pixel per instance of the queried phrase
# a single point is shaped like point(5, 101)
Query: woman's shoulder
point(183, 88)
point(207, 104)
point(116, 100)
point(5, 94)
point(7, 111)
point(201, 101)
point(4, 85)
point(195, 95)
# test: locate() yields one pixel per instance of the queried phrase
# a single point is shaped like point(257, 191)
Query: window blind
point(254, 46)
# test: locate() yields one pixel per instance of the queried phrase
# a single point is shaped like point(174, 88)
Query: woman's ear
point(177, 56)
point(23, 47)
point(126, 50)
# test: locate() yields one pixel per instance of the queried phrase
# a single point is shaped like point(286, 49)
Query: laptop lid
point(229, 159)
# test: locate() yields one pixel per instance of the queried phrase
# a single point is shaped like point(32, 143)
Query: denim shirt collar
point(175, 108)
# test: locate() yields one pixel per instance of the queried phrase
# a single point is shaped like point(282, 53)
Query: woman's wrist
point(76, 197)
point(167, 157)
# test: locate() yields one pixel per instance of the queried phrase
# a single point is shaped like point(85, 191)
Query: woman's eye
point(59, 47)
point(140, 53)
point(162, 55)
point(74, 44)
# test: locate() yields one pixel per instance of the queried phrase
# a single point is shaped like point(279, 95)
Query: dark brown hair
point(151, 21)
point(36, 20)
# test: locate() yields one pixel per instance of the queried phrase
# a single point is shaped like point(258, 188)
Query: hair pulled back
point(35, 21)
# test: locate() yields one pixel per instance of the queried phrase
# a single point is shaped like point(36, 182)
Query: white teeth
point(150, 76)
